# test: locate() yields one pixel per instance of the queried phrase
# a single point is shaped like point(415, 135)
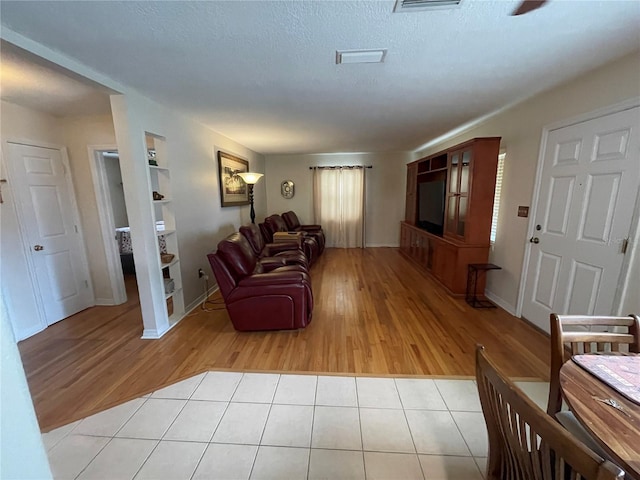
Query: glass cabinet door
point(458, 192)
point(452, 208)
point(465, 169)
point(452, 194)
point(453, 173)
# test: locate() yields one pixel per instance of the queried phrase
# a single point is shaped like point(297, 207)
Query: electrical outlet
point(200, 273)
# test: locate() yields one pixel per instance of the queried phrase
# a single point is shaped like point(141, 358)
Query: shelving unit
point(164, 220)
point(468, 174)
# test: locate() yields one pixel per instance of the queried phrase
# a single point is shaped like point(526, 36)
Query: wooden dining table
point(617, 431)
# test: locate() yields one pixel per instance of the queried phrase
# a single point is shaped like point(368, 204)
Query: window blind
point(496, 197)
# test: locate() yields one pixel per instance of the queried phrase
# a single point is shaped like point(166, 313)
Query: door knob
point(37, 248)
point(534, 240)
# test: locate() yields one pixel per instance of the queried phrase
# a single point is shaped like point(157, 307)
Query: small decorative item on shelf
point(157, 196)
point(169, 286)
point(169, 306)
point(151, 157)
point(166, 257)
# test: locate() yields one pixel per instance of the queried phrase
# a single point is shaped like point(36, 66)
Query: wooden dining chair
point(524, 442)
point(583, 340)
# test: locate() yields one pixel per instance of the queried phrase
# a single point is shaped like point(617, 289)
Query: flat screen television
point(431, 201)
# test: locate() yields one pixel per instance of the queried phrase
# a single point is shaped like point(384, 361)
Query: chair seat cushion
point(569, 421)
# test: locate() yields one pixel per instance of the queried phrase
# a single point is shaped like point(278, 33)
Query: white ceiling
point(264, 74)
point(31, 82)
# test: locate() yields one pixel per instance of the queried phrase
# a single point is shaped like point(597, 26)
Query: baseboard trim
point(107, 302)
point(502, 303)
point(382, 245)
point(198, 301)
point(154, 334)
point(23, 335)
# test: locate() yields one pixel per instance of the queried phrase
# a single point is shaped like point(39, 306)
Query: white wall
point(385, 189)
point(520, 128)
point(78, 133)
point(18, 123)
point(22, 455)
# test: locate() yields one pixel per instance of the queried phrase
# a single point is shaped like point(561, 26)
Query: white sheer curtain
point(338, 205)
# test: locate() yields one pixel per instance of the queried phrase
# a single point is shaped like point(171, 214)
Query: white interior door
point(588, 189)
point(46, 207)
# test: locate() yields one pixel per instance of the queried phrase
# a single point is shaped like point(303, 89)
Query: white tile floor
point(265, 426)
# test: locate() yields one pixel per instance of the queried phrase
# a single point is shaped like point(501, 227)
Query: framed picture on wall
point(233, 190)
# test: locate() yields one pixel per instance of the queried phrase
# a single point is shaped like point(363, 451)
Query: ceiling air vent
point(361, 56)
point(419, 5)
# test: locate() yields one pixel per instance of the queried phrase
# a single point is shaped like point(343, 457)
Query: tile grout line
point(460, 431)
point(404, 413)
point(364, 466)
point(313, 421)
point(219, 422)
point(265, 425)
point(111, 438)
point(186, 401)
point(163, 433)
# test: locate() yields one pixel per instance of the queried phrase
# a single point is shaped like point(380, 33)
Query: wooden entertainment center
point(448, 212)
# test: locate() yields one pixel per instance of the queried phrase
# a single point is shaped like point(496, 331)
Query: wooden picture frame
point(233, 190)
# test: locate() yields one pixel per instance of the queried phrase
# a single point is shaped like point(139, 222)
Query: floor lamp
point(251, 179)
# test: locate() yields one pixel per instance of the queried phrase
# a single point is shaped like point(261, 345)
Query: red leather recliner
point(280, 299)
point(293, 224)
point(291, 253)
point(275, 223)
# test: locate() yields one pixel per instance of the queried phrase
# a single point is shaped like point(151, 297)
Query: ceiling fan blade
point(527, 6)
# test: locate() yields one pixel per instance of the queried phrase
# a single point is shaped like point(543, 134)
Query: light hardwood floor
point(375, 313)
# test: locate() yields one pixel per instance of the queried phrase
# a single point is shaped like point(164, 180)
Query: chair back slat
point(593, 320)
point(619, 331)
point(605, 337)
point(524, 442)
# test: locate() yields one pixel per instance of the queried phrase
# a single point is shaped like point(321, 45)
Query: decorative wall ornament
point(288, 189)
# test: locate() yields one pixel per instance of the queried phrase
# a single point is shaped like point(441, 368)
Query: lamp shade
point(250, 178)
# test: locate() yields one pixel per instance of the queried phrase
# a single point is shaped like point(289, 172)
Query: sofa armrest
point(271, 249)
point(283, 277)
point(271, 263)
point(309, 228)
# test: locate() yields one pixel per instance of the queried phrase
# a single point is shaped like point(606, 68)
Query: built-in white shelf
point(160, 181)
point(170, 264)
point(167, 296)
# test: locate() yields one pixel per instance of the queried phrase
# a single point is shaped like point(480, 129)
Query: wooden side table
point(288, 237)
point(474, 271)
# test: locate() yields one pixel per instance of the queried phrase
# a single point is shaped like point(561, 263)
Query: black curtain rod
point(341, 166)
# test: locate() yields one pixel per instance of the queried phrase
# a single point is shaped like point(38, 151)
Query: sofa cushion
point(239, 256)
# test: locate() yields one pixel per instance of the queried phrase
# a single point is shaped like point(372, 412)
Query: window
point(338, 200)
point(496, 197)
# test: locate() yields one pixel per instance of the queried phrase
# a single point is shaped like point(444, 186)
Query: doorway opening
point(114, 222)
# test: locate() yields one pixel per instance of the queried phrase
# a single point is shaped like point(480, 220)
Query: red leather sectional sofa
point(266, 286)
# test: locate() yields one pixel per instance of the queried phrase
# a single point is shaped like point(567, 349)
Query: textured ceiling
point(31, 82)
point(264, 74)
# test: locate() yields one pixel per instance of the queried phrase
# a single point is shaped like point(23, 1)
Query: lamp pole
point(251, 179)
point(252, 213)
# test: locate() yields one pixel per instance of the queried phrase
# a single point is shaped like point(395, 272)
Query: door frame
point(623, 280)
point(107, 224)
point(26, 247)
